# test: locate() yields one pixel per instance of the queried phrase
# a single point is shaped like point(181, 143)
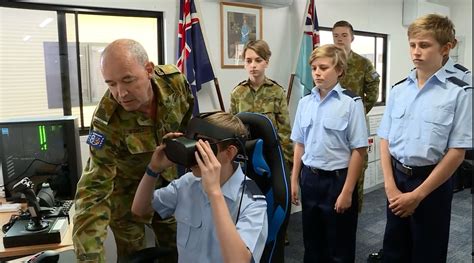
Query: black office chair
point(267, 168)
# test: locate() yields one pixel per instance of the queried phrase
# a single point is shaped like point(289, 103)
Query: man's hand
point(159, 161)
point(209, 166)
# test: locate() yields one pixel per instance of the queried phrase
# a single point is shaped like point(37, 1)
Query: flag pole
point(219, 96)
point(290, 88)
point(295, 65)
point(204, 35)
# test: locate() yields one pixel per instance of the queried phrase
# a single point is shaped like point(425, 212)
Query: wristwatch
point(150, 172)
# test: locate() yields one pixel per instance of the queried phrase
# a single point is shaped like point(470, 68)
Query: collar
point(441, 75)
point(266, 82)
point(231, 188)
point(337, 90)
point(449, 66)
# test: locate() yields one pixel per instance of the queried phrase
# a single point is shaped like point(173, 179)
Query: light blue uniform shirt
point(196, 233)
point(420, 125)
point(465, 76)
point(329, 128)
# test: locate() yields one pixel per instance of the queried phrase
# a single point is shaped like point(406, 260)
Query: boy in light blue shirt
point(330, 138)
point(221, 214)
point(425, 130)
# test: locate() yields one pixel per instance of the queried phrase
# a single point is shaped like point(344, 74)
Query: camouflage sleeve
point(371, 89)
point(233, 104)
point(187, 104)
point(177, 97)
point(92, 205)
point(282, 117)
point(178, 105)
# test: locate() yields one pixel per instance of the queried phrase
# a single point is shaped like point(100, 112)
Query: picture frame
point(240, 23)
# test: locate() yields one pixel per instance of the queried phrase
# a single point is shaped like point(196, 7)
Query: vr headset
point(181, 150)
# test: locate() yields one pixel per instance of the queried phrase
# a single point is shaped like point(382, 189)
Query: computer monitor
point(46, 150)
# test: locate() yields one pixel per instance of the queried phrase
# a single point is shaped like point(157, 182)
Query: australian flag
point(193, 59)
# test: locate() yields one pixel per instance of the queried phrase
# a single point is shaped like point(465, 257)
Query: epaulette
point(105, 109)
point(401, 81)
point(351, 94)
point(457, 81)
point(242, 83)
point(461, 67)
point(274, 82)
point(254, 191)
point(168, 69)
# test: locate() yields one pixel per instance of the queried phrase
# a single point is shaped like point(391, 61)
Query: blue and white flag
point(308, 43)
point(193, 59)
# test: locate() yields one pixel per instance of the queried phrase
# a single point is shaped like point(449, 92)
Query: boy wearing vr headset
point(215, 205)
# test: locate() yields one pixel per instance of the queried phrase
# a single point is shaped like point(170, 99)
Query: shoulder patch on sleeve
point(401, 81)
point(253, 190)
point(461, 67)
point(375, 75)
point(166, 69)
point(457, 81)
point(95, 139)
point(351, 94)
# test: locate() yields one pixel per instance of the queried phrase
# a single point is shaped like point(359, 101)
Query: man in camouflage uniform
point(360, 78)
point(142, 104)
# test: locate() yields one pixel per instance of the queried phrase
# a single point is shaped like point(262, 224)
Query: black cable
point(241, 197)
point(31, 163)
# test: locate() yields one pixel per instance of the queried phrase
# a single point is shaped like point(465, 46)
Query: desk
point(28, 250)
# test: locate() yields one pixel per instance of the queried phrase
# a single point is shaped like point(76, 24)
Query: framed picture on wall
point(240, 23)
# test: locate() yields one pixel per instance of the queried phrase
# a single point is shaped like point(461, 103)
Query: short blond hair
point(440, 27)
point(338, 55)
point(227, 121)
point(260, 47)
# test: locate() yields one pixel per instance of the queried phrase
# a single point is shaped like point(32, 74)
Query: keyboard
point(61, 209)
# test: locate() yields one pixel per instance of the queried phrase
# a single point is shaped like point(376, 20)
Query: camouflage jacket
point(269, 99)
point(362, 79)
point(115, 167)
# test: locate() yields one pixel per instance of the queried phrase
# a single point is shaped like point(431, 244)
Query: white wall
point(282, 30)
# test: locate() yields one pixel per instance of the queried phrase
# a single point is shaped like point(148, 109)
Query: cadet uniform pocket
point(436, 126)
point(335, 128)
point(189, 227)
point(396, 127)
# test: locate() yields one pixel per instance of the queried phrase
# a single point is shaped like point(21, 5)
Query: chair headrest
point(254, 149)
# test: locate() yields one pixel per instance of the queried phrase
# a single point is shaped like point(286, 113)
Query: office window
point(370, 45)
point(22, 65)
point(30, 48)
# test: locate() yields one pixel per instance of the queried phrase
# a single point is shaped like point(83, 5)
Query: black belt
point(412, 170)
point(325, 172)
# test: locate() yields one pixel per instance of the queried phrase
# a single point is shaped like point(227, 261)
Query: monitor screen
point(46, 150)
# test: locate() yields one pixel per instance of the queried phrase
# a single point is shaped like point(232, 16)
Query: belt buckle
point(409, 169)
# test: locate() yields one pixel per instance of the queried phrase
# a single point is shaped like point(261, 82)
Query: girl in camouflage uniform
point(263, 95)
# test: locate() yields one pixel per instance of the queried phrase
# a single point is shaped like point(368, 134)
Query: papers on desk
point(9, 207)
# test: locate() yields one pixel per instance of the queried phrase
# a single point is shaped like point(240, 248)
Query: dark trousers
point(327, 235)
point(422, 237)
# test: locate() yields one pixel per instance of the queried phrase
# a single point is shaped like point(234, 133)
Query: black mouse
point(47, 256)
